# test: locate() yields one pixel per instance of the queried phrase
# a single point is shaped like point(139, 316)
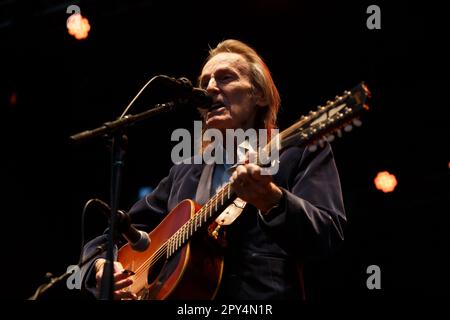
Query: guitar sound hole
point(155, 270)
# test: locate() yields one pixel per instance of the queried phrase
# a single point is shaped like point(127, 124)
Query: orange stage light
point(78, 26)
point(385, 181)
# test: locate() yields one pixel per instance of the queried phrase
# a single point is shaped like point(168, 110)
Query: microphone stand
point(118, 151)
point(54, 280)
point(115, 130)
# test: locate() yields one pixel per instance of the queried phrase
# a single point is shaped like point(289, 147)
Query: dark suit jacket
point(264, 254)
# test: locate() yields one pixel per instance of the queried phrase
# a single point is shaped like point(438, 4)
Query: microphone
point(198, 97)
point(138, 240)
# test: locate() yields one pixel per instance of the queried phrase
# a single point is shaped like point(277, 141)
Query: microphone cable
point(184, 81)
point(138, 94)
point(83, 224)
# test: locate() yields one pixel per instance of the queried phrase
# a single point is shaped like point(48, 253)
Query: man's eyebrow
point(218, 70)
point(226, 69)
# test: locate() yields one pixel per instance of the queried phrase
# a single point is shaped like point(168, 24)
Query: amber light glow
point(385, 181)
point(13, 101)
point(78, 26)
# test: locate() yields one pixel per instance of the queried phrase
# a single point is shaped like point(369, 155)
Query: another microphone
point(138, 240)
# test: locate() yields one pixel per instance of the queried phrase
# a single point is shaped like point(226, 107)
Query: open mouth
point(216, 105)
point(216, 108)
point(212, 110)
point(216, 111)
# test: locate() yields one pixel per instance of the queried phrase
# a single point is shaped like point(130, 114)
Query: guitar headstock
point(328, 120)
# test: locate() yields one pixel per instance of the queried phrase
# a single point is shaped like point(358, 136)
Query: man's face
point(226, 77)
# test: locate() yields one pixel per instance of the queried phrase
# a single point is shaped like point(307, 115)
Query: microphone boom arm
point(108, 128)
point(188, 93)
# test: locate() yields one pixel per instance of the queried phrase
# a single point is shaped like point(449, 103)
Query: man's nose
point(212, 86)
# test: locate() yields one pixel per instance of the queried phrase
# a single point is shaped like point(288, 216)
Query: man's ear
point(260, 99)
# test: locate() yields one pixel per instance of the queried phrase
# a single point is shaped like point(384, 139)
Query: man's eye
point(226, 78)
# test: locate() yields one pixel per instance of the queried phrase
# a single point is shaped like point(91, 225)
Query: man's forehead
point(225, 60)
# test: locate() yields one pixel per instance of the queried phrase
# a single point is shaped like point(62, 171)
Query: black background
point(315, 50)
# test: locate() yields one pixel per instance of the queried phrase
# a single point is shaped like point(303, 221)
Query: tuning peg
point(312, 147)
point(357, 122)
point(348, 128)
point(330, 138)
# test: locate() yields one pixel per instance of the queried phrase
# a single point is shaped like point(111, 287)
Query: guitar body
point(192, 272)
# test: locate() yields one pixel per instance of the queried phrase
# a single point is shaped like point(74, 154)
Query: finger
point(253, 170)
point(240, 170)
point(237, 184)
point(257, 188)
point(99, 263)
point(236, 177)
point(242, 175)
point(123, 284)
point(233, 176)
point(98, 276)
point(119, 282)
point(118, 266)
point(121, 294)
point(98, 267)
point(118, 276)
point(255, 173)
